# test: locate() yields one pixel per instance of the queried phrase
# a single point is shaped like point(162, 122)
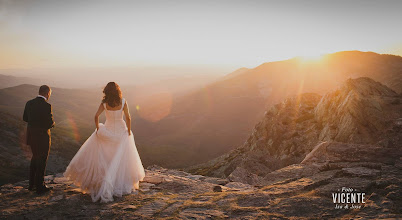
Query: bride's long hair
point(112, 94)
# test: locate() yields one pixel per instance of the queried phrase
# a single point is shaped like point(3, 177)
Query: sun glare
point(314, 58)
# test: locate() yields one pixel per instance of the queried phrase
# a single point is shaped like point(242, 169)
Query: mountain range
point(219, 117)
point(10, 81)
point(178, 129)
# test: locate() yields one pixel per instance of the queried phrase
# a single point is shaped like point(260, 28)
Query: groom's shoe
point(43, 189)
point(31, 188)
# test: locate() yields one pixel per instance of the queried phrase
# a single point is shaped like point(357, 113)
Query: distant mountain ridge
point(10, 81)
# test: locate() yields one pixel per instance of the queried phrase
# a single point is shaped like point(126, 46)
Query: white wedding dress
point(107, 164)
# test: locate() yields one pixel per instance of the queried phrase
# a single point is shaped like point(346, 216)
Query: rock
point(146, 185)
point(177, 172)
point(155, 167)
point(240, 186)
point(166, 179)
point(354, 111)
point(129, 207)
point(242, 175)
point(56, 198)
point(195, 177)
point(360, 171)
point(217, 189)
point(153, 179)
point(60, 180)
point(217, 181)
point(151, 208)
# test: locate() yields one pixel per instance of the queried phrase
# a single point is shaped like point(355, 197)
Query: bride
point(108, 164)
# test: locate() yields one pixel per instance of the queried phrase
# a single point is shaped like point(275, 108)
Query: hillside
point(218, 118)
point(10, 81)
point(361, 111)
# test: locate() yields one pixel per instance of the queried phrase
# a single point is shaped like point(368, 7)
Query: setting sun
point(311, 58)
point(134, 34)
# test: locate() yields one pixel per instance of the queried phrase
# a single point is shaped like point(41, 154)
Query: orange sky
point(228, 34)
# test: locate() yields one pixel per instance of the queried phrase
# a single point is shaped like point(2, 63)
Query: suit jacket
point(38, 113)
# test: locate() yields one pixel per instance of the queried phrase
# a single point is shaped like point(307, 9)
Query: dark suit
point(38, 114)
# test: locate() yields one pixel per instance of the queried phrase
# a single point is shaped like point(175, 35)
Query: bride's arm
point(100, 110)
point(128, 118)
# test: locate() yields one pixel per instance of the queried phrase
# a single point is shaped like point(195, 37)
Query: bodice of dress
point(114, 118)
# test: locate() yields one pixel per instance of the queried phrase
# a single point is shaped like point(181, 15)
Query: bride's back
point(115, 114)
point(107, 107)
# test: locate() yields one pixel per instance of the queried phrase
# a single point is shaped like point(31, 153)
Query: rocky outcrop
point(285, 135)
point(296, 191)
point(361, 111)
point(357, 112)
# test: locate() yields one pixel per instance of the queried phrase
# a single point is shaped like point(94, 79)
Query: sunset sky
point(224, 34)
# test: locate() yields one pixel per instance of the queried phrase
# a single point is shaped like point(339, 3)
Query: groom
point(38, 114)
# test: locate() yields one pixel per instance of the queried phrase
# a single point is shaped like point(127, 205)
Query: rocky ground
point(297, 191)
